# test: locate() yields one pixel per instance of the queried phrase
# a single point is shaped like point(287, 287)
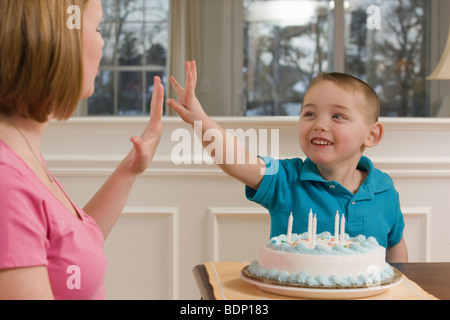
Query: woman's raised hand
point(144, 147)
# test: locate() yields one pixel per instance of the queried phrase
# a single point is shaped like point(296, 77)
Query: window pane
point(102, 101)
point(386, 46)
point(131, 10)
point(131, 44)
point(156, 43)
point(156, 10)
point(136, 35)
point(130, 93)
point(108, 31)
point(286, 44)
point(109, 10)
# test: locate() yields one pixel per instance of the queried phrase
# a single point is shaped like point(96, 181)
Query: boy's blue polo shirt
point(296, 186)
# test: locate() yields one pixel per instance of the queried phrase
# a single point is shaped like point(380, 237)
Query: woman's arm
point(30, 283)
point(107, 204)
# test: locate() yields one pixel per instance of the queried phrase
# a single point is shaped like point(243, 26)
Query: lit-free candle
point(289, 230)
point(336, 227)
point(342, 233)
point(314, 231)
point(310, 221)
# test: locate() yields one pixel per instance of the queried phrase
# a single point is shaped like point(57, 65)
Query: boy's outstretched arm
point(190, 110)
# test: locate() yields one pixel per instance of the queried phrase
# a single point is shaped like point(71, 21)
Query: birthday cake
point(322, 260)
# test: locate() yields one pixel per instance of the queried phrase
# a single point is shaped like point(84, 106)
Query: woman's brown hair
point(41, 66)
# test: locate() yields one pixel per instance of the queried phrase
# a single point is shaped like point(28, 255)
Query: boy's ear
point(375, 135)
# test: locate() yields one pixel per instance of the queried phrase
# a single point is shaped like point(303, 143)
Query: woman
point(49, 247)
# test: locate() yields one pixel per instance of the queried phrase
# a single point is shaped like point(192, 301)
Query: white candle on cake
point(314, 231)
point(336, 227)
point(289, 230)
point(310, 221)
point(342, 229)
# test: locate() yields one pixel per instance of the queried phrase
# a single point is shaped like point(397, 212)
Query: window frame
point(117, 69)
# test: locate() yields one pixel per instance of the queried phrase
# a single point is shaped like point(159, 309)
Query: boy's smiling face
point(334, 128)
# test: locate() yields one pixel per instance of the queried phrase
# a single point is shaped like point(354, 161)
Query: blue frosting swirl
point(304, 278)
point(359, 245)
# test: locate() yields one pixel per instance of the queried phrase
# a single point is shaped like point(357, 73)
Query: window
point(136, 34)
point(392, 55)
point(286, 43)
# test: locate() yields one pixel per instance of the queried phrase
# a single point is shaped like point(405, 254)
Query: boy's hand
point(190, 110)
point(188, 106)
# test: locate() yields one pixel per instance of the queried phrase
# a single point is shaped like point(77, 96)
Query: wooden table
point(431, 277)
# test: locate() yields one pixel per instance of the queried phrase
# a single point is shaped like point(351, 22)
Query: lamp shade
point(442, 71)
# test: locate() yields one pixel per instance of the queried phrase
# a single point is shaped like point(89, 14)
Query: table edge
point(202, 278)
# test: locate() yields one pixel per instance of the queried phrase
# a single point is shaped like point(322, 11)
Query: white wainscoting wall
point(179, 216)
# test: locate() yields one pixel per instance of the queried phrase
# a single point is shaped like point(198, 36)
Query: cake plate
point(301, 291)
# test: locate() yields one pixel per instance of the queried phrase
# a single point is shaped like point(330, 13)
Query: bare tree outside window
point(393, 57)
point(136, 35)
point(286, 43)
point(283, 52)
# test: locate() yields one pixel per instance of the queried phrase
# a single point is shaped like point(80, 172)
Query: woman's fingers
point(156, 105)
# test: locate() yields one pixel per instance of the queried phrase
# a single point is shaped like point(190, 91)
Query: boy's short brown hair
point(351, 83)
point(41, 66)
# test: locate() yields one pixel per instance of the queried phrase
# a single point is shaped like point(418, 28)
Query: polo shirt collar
point(375, 182)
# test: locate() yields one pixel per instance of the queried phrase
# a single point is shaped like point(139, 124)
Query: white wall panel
point(142, 253)
point(237, 234)
point(417, 233)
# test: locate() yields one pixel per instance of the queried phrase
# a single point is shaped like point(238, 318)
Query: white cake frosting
point(351, 262)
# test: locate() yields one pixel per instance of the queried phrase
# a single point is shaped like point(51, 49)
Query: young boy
point(338, 121)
